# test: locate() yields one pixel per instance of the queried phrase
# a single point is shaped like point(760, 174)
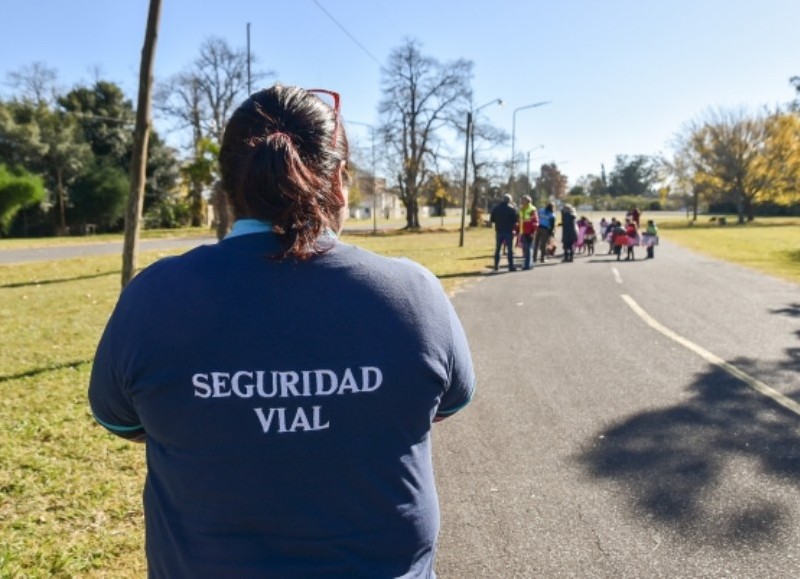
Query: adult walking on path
point(504, 217)
point(546, 229)
point(569, 232)
point(528, 223)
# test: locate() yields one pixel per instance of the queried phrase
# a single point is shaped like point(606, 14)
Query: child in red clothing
point(632, 233)
point(618, 238)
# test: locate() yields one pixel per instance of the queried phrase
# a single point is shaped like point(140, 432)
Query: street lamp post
point(466, 167)
point(514, 136)
point(374, 190)
point(528, 166)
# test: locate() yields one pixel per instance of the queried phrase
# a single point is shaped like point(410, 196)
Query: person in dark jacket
point(569, 232)
point(504, 217)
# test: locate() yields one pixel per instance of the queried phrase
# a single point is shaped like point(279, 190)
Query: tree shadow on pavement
point(792, 310)
point(676, 466)
point(462, 275)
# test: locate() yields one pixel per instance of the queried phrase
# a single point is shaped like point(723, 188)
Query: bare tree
point(552, 182)
point(180, 98)
point(35, 83)
point(421, 99)
point(202, 98)
point(493, 137)
point(222, 74)
point(141, 136)
point(687, 166)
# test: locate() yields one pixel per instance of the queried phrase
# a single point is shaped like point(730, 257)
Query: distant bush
point(608, 203)
point(168, 213)
point(98, 196)
point(18, 189)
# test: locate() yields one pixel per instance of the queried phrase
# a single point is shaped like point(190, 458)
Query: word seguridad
point(287, 384)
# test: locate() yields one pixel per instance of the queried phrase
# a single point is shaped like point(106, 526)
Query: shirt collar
point(248, 226)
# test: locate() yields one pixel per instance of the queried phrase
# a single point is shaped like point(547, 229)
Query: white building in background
point(386, 204)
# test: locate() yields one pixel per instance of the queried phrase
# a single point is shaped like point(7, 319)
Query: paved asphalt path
point(618, 430)
point(605, 443)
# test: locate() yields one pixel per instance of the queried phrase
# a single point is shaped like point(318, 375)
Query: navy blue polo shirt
point(287, 409)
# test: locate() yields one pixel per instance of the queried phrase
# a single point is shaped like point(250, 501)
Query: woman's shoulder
point(398, 272)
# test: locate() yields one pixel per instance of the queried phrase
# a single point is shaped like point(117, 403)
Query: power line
point(343, 29)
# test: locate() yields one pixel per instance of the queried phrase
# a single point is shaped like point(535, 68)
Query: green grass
point(771, 246)
point(70, 494)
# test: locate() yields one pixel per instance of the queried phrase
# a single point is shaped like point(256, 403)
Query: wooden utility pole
point(141, 136)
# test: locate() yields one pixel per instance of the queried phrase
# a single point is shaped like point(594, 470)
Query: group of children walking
point(627, 235)
point(534, 231)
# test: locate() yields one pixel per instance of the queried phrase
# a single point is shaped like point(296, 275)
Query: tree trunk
point(196, 205)
point(140, 137)
point(223, 215)
point(62, 203)
point(476, 205)
point(409, 213)
point(740, 202)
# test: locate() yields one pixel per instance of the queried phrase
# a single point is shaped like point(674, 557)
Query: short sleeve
point(461, 388)
point(109, 400)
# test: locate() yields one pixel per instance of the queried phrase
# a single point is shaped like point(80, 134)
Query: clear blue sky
point(623, 75)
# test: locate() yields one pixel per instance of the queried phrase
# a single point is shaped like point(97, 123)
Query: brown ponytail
point(280, 158)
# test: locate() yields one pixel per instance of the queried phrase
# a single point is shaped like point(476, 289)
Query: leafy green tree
point(783, 147)
point(105, 117)
point(163, 172)
point(171, 210)
point(98, 195)
point(200, 172)
point(440, 191)
point(65, 157)
point(422, 98)
point(47, 142)
point(20, 137)
point(578, 191)
point(748, 159)
point(18, 189)
point(634, 176)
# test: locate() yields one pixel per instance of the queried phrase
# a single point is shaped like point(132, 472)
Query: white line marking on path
point(755, 384)
point(617, 276)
